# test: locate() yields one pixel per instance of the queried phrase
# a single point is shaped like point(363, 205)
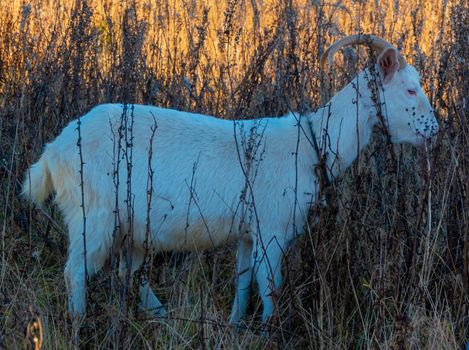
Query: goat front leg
point(244, 272)
point(268, 257)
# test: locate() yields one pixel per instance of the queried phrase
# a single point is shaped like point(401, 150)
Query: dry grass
point(390, 269)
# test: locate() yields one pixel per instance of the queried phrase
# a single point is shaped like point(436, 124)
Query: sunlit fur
point(206, 190)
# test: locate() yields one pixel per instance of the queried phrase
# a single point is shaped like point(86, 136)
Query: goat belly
point(200, 234)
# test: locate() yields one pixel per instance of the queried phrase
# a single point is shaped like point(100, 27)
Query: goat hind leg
point(148, 301)
point(94, 249)
point(243, 279)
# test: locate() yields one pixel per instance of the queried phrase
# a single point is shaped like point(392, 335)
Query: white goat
point(215, 180)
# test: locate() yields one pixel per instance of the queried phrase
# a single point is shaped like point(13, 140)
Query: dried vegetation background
point(389, 269)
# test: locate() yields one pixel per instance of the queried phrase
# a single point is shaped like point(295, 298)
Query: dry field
point(388, 269)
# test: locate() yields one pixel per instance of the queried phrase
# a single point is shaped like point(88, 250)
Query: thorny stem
point(428, 160)
point(80, 153)
point(144, 273)
point(128, 154)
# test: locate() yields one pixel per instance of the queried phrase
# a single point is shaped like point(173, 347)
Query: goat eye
point(411, 92)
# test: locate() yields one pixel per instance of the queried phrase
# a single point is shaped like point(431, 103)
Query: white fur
point(259, 203)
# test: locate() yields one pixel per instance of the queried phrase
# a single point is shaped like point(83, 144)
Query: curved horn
point(377, 44)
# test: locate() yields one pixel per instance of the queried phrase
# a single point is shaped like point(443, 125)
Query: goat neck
point(343, 127)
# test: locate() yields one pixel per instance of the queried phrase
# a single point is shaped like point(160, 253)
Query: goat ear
point(388, 64)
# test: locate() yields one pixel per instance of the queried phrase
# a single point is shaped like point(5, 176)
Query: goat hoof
point(239, 326)
point(270, 325)
point(158, 312)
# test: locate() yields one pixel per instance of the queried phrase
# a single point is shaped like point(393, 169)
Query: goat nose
point(432, 132)
point(434, 124)
point(435, 127)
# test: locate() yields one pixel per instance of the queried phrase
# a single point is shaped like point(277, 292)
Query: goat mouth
point(427, 136)
point(420, 139)
point(425, 140)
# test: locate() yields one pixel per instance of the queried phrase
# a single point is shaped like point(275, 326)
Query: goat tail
point(37, 183)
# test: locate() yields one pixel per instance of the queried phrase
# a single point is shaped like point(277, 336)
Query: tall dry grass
point(389, 268)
